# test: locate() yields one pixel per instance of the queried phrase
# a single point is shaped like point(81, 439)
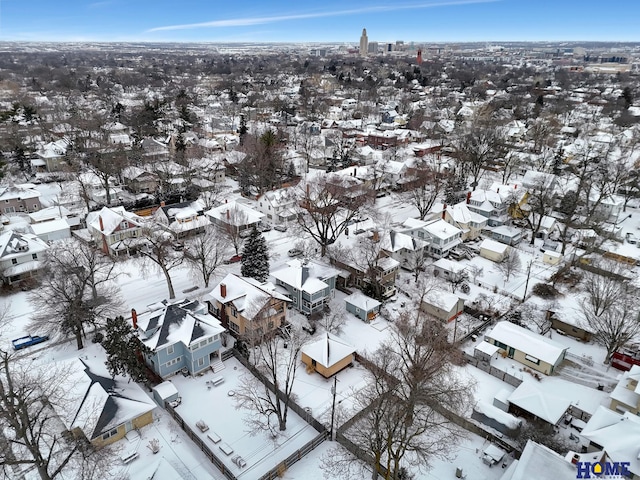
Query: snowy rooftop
point(441, 229)
point(328, 350)
point(494, 246)
point(550, 397)
point(185, 321)
point(246, 294)
point(527, 341)
point(97, 402)
point(111, 217)
point(538, 461)
point(618, 435)
point(49, 213)
point(449, 265)
point(307, 277)
point(50, 226)
point(235, 213)
point(360, 300)
point(13, 244)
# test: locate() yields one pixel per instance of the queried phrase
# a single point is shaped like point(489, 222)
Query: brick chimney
point(376, 236)
point(223, 290)
point(444, 210)
point(468, 198)
point(101, 223)
point(515, 186)
point(162, 204)
point(228, 214)
point(134, 318)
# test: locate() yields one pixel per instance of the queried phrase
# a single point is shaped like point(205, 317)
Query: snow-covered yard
point(215, 405)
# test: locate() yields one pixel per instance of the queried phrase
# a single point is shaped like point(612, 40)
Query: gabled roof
point(239, 214)
point(14, 244)
point(309, 277)
point(97, 403)
point(18, 193)
point(247, 295)
point(398, 241)
point(360, 300)
point(183, 322)
point(328, 350)
point(526, 341)
point(112, 217)
point(618, 435)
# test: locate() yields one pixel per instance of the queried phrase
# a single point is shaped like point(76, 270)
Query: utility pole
point(526, 285)
point(333, 406)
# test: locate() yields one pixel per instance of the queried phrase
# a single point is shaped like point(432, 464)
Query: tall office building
point(364, 42)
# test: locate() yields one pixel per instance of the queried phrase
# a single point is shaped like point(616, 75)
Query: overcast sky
point(327, 21)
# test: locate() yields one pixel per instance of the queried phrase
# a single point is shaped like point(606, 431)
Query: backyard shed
point(362, 306)
point(165, 392)
point(328, 355)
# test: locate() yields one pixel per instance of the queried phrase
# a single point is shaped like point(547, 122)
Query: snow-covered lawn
point(216, 407)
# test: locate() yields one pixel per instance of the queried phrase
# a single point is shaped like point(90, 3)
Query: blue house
point(310, 284)
point(181, 335)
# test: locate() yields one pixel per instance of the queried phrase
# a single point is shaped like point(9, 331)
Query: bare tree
point(160, 254)
point(334, 320)
point(205, 253)
point(232, 228)
point(411, 383)
point(31, 433)
point(427, 186)
point(278, 363)
point(540, 201)
point(327, 205)
point(77, 291)
point(609, 310)
point(478, 148)
point(510, 264)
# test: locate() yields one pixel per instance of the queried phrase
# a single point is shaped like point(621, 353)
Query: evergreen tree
point(255, 257)
point(124, 350)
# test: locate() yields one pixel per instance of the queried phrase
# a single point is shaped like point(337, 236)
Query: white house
point(439, 235)
point(278, 206)
point(407, 250)
point(234, 215)
point(21, 255)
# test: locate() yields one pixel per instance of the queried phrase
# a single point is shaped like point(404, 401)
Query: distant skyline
point(331, 21)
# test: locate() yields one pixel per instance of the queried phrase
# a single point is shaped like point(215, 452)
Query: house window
point(531, 359)
point(234, 312)
point(108, 435)
point(14, 261)
point(35, 207)
point(234, 327)
point(201, 361)
point(34, 256)
point(170, 350)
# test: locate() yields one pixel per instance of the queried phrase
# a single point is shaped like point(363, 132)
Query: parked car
point(245, 233)
point(295, 252)
point(234, 259)
point(28, 341)
point(280, 228)
point(631, 238)
point(264, 227)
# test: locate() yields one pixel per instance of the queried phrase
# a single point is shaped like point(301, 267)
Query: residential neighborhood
point(246, 262)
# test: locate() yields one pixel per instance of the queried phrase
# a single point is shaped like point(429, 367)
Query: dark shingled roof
point(173, 315)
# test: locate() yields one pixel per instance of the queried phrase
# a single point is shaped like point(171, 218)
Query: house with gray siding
point(181, 335)
point(362, 306)
point(309, 284)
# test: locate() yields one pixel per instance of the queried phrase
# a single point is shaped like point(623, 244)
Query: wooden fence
point(493, 371)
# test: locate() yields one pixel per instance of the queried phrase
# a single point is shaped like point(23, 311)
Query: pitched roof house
point(183, 219)
point(327, 355)
point(181, 335)
point(115, 230)
point(248, 307)
point(21, 255)
point(102, 408)
point(310, 285)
